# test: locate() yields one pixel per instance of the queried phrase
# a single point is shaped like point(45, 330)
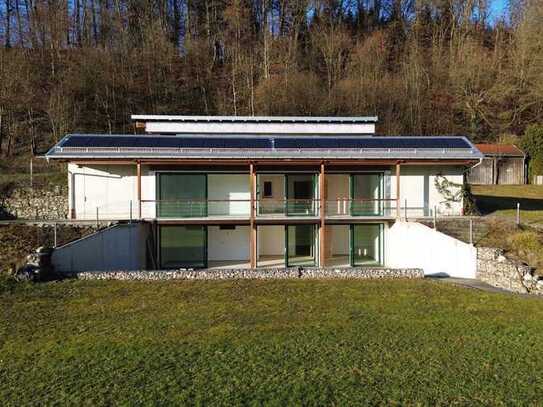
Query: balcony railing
point(345, 207)
point(196, 208)
point(287, 207)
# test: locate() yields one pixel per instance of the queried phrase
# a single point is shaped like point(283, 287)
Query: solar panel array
point(111, 141)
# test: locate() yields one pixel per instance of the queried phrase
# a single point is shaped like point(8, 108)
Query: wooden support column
point(322, 212)
point(252, 228)
point(398, 209)
point(138, 172)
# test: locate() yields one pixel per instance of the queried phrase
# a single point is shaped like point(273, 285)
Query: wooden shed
point(503, 164)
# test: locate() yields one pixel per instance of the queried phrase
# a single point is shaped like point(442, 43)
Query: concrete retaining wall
point(269, 273)
point(119, 247)
point(414, 245)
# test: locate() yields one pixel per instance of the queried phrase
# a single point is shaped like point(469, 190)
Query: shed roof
point(509, 150)
point(254, 119)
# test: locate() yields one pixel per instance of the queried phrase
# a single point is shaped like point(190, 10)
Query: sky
point(497, 9)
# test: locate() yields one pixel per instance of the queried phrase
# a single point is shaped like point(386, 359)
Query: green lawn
point(501, 200)
point(268, 342)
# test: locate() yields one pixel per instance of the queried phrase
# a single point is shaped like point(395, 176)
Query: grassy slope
point(501, 200)
point(273, 342)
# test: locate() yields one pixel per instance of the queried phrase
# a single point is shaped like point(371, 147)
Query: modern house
point(503, 164)
point(247, 192)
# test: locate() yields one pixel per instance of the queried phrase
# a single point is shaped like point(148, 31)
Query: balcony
point(346, 207)
point(287, 207)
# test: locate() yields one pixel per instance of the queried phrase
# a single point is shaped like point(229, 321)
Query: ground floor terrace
point(269, 245)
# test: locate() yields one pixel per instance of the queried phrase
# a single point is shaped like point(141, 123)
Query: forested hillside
point(435, 66)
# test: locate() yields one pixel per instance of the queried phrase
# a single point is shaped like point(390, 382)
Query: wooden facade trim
point(252, 223)
point(322, 234)
point(138, 182)
point(398, 210)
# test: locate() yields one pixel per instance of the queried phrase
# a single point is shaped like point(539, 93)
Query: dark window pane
point(182, 246)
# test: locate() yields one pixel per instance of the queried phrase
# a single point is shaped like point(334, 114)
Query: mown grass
point(267, 342)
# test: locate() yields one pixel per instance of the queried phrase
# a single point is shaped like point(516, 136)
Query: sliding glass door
point(182, 195)
point(367, 245)
point(183, 246)
point(300, 245)
point(367, 194)
point(300, 194)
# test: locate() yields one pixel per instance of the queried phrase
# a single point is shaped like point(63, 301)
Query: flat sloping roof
point(500, 149)
point(76, 146)
point(254, 119)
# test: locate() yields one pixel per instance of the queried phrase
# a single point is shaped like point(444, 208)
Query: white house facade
point(251, 192)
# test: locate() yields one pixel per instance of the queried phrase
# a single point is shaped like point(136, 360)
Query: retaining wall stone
point(28, 203)
point(267, 273)
point(494, 268)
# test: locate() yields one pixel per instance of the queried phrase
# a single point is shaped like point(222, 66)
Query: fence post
point(471, 231)
point(435, 217)
point(518, 213)
point(405, 210)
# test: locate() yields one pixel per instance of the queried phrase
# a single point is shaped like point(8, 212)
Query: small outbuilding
point(503, 164)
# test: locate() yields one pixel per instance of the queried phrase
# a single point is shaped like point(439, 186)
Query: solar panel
point(324, 143)
point(165, 142)
point(372, 142)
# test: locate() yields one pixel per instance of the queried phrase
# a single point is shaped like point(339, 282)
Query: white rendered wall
point(110, 188)
point(120, 247)
point(412, 244)
point(259, 128)
point(417, 185)
point(228, 244)
point(228, 187)
point(271, 240)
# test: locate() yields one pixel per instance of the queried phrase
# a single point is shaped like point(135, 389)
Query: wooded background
point(423, 67)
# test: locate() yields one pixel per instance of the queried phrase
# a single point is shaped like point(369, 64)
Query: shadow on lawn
point(488, 204)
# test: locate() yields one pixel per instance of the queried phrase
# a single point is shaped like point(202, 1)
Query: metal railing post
point(518, 213)
point(405, 210)
point(130, 206)
point(471, 231)
point(97, 217)
point(55, 235)
point(435, 217)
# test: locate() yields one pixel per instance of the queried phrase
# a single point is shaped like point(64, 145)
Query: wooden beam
point(138, 171)
point(322, 210)
point(398, 210)
point(252, 229)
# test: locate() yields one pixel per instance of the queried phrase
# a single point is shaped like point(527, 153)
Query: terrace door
point(367, 194)
point(367, 245)
point(183, 246)
point(300, 245)
point(300, 191)
point(182, 195)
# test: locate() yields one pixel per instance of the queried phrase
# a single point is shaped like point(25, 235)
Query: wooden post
point(398, 210)
point(252, 229)
point(322, 234)
point(138, 171)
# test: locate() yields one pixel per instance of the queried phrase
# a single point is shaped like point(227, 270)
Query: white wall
point(412, 244)
point(260, 128)
point(227, 187)
point(417, 185)
point(110, 188)
point(228, 244)
point(120, 247)
point(271, 240)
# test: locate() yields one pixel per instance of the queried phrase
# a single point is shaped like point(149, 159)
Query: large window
point(300, 192)
point(367, 194)
point(300, 244)
point(183, 246)
point(182, 195)
point(367, 245)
